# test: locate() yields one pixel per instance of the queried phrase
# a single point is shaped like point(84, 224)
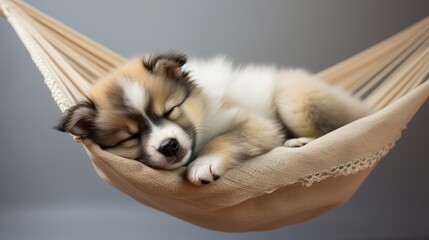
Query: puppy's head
point(144, 111)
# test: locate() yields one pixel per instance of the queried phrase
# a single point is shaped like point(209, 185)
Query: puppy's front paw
point(206, 169)
point(297, 142)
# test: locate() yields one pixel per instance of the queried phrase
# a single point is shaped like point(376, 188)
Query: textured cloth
point(284, 186)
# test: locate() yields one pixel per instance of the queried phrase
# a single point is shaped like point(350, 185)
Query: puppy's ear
point(169, 64)
point(78, 120)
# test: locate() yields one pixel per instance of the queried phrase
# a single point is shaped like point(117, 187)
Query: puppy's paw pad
point(297, 142)
point(205, 170)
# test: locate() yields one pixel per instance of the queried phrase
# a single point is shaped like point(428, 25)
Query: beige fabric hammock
point(282, 187)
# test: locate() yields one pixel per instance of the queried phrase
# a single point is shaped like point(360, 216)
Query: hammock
point(282, 187)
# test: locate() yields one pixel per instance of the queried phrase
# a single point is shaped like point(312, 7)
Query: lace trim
point(349, 168)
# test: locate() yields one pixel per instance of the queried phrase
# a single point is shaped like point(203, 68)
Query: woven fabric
point(284, 186)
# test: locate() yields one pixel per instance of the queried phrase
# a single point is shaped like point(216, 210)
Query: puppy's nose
point(169, 147)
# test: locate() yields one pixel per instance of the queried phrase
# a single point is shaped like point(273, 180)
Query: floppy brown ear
point(169, 64)
point(78, 120)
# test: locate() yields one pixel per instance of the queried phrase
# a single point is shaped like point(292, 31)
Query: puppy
point(210, 114)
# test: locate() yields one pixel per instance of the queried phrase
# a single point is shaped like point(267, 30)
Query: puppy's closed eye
point(129, 140)
point(173, 113)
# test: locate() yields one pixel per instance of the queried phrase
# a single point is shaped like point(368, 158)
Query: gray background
point(49, 190)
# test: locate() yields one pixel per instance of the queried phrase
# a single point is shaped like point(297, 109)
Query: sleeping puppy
point(210, 114)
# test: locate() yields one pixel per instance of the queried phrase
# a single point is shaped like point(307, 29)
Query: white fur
point(213, 76)
point(252, 87)
point(205, 168)
point(297, 142)
point(162, 133)
point(134, 93)
point(216, 122)
point(253, 81)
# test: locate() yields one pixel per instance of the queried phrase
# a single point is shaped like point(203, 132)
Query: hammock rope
point(295, 184)
point(76, 61)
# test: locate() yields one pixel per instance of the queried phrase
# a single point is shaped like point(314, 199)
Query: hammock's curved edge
point(172, 184)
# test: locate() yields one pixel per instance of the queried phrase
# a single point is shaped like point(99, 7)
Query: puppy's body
point(262, 102)
point(219, 115)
